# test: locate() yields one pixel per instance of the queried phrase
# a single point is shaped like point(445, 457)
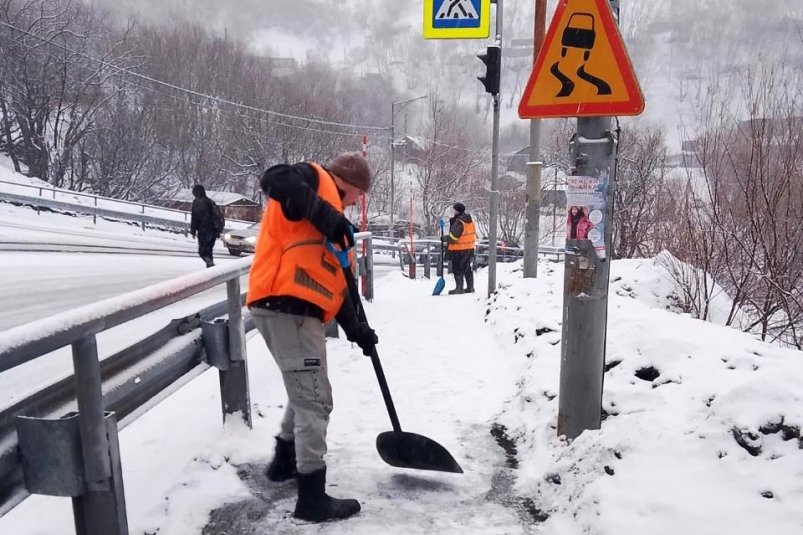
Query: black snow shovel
point(400, 448)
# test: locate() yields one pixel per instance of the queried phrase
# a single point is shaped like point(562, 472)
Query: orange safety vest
point(466, 239)
point(291, 257)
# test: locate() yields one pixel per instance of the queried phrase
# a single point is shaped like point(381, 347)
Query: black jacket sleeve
point(455, 230)
point(347, 317)
point(195, 218)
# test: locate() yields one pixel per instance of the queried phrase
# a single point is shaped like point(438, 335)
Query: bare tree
point(640, 181)
point(60, 64)
point(445, 167)
point(742, 209)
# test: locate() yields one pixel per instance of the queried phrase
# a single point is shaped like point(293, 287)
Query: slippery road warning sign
point(583, 69)
point(457, 19)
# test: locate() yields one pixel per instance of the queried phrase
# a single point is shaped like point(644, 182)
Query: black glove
point(365, 337)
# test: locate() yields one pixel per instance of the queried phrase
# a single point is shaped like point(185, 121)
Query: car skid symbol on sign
point(581, 34)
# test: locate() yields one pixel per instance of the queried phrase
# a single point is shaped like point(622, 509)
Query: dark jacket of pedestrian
point(204, 223)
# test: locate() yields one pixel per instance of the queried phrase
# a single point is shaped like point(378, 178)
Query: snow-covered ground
point(711, 445)
point(702, 433)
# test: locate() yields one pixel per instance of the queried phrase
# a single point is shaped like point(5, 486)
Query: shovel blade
point(439, 286)
point(409, 450)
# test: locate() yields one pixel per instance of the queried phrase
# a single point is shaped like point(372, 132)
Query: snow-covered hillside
point(701, 430)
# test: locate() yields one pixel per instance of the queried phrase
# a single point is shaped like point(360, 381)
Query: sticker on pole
point(586, 207)
point(457, 19)
point(583, 69)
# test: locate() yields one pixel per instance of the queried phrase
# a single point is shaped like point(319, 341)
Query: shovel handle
point(442, 252)
point(380, 375)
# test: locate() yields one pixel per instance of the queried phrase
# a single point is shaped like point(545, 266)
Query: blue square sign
point(457, 14)
point(457, 19)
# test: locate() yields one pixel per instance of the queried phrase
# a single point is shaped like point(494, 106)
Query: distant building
point(280, 66)
point(233, 205)
point(411, 149)
point(553, 178)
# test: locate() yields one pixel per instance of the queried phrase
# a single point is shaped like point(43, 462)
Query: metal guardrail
point(142, 218)
point(44, 451)
point(53, 191)
point(428, 253)
point(47, 448)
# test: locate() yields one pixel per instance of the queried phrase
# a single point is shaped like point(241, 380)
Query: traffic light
point(493, 64)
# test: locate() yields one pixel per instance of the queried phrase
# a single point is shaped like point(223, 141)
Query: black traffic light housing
point(493, 65)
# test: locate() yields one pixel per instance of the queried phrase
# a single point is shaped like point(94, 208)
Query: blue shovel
point(441, 284)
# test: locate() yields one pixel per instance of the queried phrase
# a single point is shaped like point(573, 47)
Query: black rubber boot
point(283, 465)
point(469, 275)
point(314, 505)
point(458, 281)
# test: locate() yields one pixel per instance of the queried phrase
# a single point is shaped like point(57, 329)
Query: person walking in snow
point(461, 240)
point(295, 286)
point(206, 223)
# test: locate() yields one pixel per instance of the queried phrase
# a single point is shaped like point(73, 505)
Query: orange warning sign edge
point(633, 106)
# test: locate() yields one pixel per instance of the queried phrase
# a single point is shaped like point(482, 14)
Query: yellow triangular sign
point(582, 69)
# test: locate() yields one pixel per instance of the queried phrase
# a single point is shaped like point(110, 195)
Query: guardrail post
point(101, 509)
point(400, 246)
point(234, 390)
point(95, 215)
point(368, 278)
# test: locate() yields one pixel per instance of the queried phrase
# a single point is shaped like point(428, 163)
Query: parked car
point(242, 240)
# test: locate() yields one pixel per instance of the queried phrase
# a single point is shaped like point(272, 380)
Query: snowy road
point(55, 282)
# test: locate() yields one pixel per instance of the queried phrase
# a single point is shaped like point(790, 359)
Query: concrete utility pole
point(533, 210)
point(494, 168)
point(585, 291)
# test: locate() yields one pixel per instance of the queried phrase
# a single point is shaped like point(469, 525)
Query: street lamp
point(393, 111)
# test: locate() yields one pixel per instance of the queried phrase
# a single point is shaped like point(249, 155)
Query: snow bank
point(701, 430)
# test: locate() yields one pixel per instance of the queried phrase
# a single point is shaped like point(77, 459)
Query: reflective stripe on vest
point(291, 258)
point(467, 238)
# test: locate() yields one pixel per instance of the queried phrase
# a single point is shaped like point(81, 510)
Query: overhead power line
point(229, 102)
point(192, 92)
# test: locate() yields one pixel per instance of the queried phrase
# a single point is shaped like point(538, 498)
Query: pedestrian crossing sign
point(582, 69)
point(457, 19)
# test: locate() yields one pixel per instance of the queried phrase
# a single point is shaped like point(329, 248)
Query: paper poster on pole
point(585, 203)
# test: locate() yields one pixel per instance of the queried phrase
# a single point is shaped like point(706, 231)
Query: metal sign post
point(493, 215)
point(583, 71)
point(589, 199)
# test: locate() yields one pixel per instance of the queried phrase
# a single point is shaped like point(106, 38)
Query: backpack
point(218, 221)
